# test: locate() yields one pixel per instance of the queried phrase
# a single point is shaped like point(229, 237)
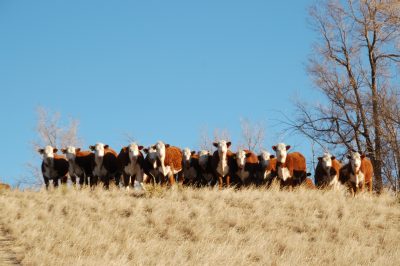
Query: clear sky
point(159, 70)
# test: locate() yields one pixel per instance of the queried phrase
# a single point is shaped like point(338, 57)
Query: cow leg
point(46, 182)
point(220, 182)
point(171, 179)
point(126, 181)
point(106, 182)
point(82, 180)
point(55, 182)
point(73, 179)
point(64, 180)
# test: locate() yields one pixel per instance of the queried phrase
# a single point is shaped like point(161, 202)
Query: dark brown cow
point(80, 165)
point(205, 170)
point(105, 165)
point(150, 167)
point(170, 160)
point(246, 167)
point(131, 163)
point(357, 173)
point(54, 166)
point(223, 163)
point(327, 172)
point(291, 168)
point(190, 167)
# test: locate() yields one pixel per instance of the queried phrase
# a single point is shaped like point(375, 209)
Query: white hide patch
point(133, 150)
point(265, 158)
point(283, 173)
point(222, 168)
point(357, 178)
point(241, 158)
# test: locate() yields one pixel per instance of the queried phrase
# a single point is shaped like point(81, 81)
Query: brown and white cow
point(205, 171)
point(80, 164)
point(105, 165)
point(170, 160)
point(190, 167)
point(223, 163)
point(54, 166)
point(357, 173)
point(267, 167)
point(327, 172)
point(246, 167)
point(291, 167)
point(131, 164)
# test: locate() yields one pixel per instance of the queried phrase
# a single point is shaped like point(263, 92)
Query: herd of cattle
point(165, 164)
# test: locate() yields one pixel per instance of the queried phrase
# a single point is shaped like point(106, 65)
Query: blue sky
point(155, 69)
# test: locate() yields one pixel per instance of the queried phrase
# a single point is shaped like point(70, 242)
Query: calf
point(170, 160)
point(327, 172)
point(246, 167)
point(357, 173)
point(80, 164)
point(54, 166)
point(105, 166)
point(223, 163)
point(266, 167)
point(291, 168)
point(190, 166)
point(131, 164)
point(205, 172)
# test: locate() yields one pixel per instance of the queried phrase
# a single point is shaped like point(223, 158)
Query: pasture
point(186, 226)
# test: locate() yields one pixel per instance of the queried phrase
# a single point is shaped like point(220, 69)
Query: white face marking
point(70, 152)
point(152, 154)
point(223, 168)
point(160, 148)
point(241, 158)
point(186, 154)
point(265, 157)
point(133, 151)
point(203, 158)
point(99, 150)
point(222, 147)
point(48, 152)
point(281, 152)
point(326, 161)
point(355, 161)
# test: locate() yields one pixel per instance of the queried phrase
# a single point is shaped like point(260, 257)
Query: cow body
point(190, 167)
point(170, 162)
point(205, 170)
point(327, 172)
point(357, 173)
point(246, 167)
point(80, 165)
point(54, 166)
point(131, 164)
point(223, 163)
point(105, 165)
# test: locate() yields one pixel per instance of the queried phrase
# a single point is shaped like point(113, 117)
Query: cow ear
point(140, 148)
point(348, 157)
point(363, 156)
point(167, 145)
point(106, 146)
point(228, 144)
point(91, 147)
point(333, 158)
point(77, 149)
point(287, 147)
point(146, 150)
point(41, 151)
point(274, 148)
point(272, 156)
point(215, 144)
point(259, 157)
point(193, 153)
point(64, 150)
point(55, 150)
point(153, 147)
point(319, 159)
point(248, 155)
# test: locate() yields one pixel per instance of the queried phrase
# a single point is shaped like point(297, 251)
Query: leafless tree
point(352, 65)
point(253, 135)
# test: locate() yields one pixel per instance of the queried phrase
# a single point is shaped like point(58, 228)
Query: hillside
point(186, 227)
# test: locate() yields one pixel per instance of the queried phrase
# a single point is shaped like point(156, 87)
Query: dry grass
point(186, 227)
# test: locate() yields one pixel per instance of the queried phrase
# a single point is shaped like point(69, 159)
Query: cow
point(190, 167)
point(291, 167)
point(131, 164)
point(327, 172)
point(266, 167)
point(4, 186)
point(170, 160)
point(80, 164)
point(246, 167)
point(54, 166)
point(357, 173)
point(150, 166)
point(223, 163)
point(308, 184)
point(105, 165)
point(205, 171)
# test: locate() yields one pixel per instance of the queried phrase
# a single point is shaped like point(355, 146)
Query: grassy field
point(192, 227)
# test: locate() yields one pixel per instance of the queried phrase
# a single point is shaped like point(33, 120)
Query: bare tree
point(352, 65)
point(253, 135)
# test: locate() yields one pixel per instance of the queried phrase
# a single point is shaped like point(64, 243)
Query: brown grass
point(187, 227)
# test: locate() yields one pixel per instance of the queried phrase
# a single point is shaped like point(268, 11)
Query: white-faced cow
point(223, 163)
point(291, 167)
point(246, 167)
point(54, 166)
point(170, 160)
point(357, 173)
point(131, 164)
point(205, 171)
point(190, 167)
point(150, 166)
point(267, 167)
point(327, 172)
point(80, 164)
point(105, 166)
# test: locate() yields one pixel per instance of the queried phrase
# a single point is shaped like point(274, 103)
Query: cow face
point(160, 148)
point(264, 158)
point(70, 152)
point(326, 161)
point(99, 149)
point(134, 150)
point(355, 161)
point(48, 152)
point(241, 156)
point(151, 156)
point(222, 146)
point(281, 152)
point(203, 158)
point(186, 154)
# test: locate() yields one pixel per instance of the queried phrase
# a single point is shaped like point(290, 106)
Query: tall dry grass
point(191, 227)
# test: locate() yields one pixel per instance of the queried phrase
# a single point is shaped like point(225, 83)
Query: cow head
point(187, 154)
point(70, 152)
point(355, 161)
point(134, 151)
point(98, 149)
point(222, 146)
point(241, 156)
point(326, 161)
point(264, 158)
point(160, 148)
point(48, 152)
point(281, 152)
point(203, 158)
point(151, 156)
